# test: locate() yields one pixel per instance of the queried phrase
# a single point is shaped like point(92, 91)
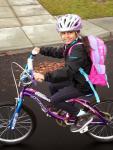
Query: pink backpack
point(98, 52)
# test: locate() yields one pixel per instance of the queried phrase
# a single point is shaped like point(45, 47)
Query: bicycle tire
point(103, 133)
point(25, 125)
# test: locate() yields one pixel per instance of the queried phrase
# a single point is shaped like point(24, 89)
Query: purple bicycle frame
point(36, 95)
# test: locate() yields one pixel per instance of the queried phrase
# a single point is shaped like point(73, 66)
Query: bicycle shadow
point(93, 146)
point(21, 146)
point(99, 146)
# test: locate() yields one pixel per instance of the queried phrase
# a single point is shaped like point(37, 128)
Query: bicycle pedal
point(69, 123)
point(85, 129)
point(48, 115)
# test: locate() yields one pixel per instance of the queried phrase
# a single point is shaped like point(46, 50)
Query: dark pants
point(60, 92)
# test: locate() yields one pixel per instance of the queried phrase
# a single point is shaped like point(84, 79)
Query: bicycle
point(18, 122)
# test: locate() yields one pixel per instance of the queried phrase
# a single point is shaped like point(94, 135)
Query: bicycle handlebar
point(30, 60)
point(26, 77)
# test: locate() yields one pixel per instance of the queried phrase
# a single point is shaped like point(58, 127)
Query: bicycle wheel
point(25, 124)
point(103, 133)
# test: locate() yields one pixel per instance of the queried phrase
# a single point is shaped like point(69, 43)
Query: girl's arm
point(56, 52)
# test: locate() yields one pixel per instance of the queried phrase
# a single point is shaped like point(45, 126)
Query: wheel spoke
point(23, 125)
point(103, 132)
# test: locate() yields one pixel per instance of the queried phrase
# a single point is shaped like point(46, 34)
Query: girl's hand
point(36, 51)
point(39, 77)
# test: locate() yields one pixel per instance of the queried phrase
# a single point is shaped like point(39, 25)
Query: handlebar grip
point(30, 63)
point(34, 52)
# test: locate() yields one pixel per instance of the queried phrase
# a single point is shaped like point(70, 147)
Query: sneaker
point(81, 124)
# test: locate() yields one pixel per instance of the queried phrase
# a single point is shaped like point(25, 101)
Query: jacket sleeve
point(57, 75)
point(56, 52)
point(73, 63)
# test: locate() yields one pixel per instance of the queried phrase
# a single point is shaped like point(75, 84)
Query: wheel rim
point(103, 132)
point(22, 129)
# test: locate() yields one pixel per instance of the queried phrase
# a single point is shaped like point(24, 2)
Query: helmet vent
point(64, 21)
point(68, 24)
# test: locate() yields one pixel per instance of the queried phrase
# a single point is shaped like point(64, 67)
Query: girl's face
point(68, 36)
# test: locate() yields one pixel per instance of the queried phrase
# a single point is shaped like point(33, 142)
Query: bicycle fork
point(14, 117)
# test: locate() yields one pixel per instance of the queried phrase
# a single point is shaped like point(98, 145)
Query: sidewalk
point(25, 24)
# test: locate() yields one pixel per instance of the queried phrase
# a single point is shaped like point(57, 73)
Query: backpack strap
point(69, 52)
point(91, 85)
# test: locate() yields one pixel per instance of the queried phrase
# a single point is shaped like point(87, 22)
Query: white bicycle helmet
point(69, 22)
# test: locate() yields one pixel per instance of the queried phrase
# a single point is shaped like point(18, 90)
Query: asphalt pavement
point(26, 24)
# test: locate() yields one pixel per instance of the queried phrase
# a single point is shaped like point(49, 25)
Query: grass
point(85, 8)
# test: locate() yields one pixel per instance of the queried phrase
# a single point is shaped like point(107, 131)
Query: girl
point(67, 82)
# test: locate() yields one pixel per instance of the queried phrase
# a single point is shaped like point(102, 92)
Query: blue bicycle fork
point(13, 120)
